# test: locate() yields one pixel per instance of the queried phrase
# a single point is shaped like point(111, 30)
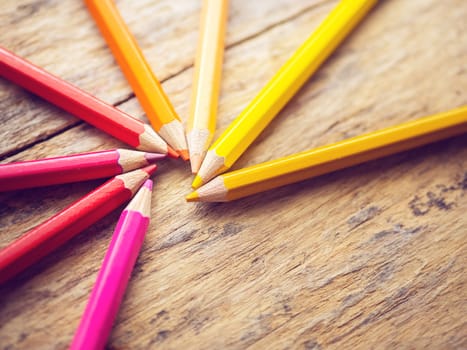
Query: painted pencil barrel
point(291, 77)
point(72, 168)
point(325, 159)
point(54, 232)
point(207, 80)
point(31, 174)
point(281, 88)
point(131, 60)
point(107, 294)
point(144, 83)
point(79, 103)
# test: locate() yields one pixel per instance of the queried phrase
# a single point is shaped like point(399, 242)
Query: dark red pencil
point(73, 168)
point(81, 104)
point(52, 233)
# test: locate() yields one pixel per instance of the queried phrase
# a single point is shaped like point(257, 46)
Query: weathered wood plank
point(372, 256)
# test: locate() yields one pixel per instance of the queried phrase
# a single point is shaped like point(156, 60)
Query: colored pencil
point(81, 104)
point(107, 294)
point(280, 89)
point(147, 88)
point(322, 160)
point(52, 233)
point(73, 168)
point(207, 77)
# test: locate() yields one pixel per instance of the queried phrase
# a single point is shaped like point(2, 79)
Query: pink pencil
point(107, 294)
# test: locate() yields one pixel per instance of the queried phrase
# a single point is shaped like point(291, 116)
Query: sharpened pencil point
point(171, 153)
point(148, 184)
point(150, 169)
point(192, 197)
point(184, 154)
point(195, 160)
point(197, 182)
point(153, 157)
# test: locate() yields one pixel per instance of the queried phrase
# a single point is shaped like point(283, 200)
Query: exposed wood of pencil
point(107, 293)
point(144, 83)
point(322, 160)
point(207, 79)
point(52, 233)
point(79, 103)
point(72, 168)
point(281, 88)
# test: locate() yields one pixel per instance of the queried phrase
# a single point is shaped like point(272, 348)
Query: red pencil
point(81, 104)
point(73, 168)
point(52, 233)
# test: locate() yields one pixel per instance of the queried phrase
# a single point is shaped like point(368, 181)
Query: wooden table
point(369, 257)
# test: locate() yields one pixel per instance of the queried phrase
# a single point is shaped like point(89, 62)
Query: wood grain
point(369, 257)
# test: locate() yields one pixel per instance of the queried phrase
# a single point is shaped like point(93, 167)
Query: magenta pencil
point(72, 168)
point(108, 291)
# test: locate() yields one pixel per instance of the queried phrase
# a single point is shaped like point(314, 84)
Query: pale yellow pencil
point(206, 84)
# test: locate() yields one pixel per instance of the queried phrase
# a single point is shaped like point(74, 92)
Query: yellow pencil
point(206, 83)
point(339, 155)
point(144, 83)
point(280, 89)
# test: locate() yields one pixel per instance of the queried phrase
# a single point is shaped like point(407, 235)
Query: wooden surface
point(369, 257)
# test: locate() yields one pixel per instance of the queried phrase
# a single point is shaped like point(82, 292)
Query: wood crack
point(40, 140)
point(283, 21)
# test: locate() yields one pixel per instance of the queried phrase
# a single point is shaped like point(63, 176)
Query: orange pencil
point(144, 83)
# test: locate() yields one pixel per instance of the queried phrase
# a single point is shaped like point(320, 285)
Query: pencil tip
point(150, 169)
point(197, 182)
point(153, 157)
point(184, 154)
point(141, 202)
point(150, 141)
point(192, 197)
point(148, 184)
point(195, 160)
point(171, 153)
